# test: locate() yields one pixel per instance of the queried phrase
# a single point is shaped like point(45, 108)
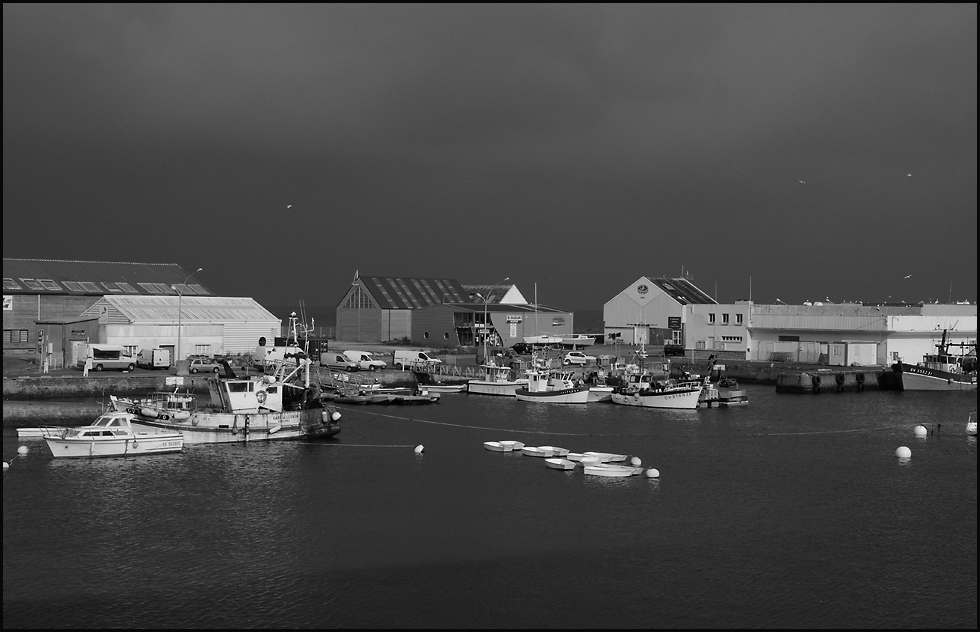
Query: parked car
point(337, 361)
point(203, 365)
point(577, 357)
point(671, 349)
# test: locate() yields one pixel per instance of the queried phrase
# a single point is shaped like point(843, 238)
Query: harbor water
point(791, 512)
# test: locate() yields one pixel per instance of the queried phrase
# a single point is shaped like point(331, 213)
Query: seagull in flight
point(289, 206)
point(802, 181)
point(908, 276)
point(910, 176)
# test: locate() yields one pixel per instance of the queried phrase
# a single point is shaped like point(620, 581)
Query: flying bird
point(802, 181)
point(289, 206)
point(908, 276)
point(910, 175)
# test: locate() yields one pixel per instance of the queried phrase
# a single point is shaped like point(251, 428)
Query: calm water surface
point(790, 512)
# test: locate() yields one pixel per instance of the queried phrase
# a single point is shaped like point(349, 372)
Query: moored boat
point(553, 387)
point(111, 434)
point(577, 340)
point(496, 380)
point(943, 370)
point(557, 463)
point(283, 405)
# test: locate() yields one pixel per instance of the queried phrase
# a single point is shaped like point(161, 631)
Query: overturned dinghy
point(560, 464)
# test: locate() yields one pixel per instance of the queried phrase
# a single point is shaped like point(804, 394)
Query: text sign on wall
point(8, 303)
point(674, 322)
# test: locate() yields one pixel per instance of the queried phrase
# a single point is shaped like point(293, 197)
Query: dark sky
point(575, 147)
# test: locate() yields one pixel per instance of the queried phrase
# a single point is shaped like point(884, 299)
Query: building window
point(445, 336)
point(738, 319)
point(15, 335)
point(789, 339)
point(202, 350)
point(425, 335)
point(711, 319)
point(724, 319)
point(731, 339)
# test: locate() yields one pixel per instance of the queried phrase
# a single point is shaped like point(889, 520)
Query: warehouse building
point(443, 313)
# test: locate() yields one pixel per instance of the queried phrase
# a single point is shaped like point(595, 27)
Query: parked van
point(365, 360)
point(153, 359)
point(408, 358)
point(106, 357)
point(337, 361)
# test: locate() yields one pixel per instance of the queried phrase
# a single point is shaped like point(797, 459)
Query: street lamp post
point(486, 299)
point(180, 298)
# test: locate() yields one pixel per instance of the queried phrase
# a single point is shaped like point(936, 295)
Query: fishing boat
point(643, 390)
point(552, 387)
point(721, 390)
point(971, 424)
point(943, 370)
point(496, 380)
point(111, 434)
point(282, 405)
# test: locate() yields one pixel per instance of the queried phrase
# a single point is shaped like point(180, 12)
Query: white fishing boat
point(643, 390)
point(943, 370)
point(552, 387)
point(111, 434)
point(282, 405)
point(971, 424)
point(559, 464)
point(496, 380)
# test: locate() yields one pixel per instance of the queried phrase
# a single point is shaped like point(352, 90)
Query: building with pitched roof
point(652, 310)
point(53, 290)
point(442, 313)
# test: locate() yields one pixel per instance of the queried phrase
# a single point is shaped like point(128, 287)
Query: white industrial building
point(656, 310)
point(198, 325)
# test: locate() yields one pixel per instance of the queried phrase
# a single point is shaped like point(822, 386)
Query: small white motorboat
point(971, 424)
point(496, 446)
point(560, 464)
point(513, 445)
point(444, 388)
point(111, 434)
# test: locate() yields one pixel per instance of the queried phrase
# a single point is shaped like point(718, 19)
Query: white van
point(105, 357)
point(366, 361)
point(153, 359)
point(413, 358)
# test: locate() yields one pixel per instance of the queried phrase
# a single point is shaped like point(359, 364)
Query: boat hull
point(503, 389)
point(143, 444)
point(600, 394)
point(918, 378)
point(205, 427)
point(563, 396)
point(687, 399)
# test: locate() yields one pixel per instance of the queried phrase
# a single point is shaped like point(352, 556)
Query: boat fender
point(860, 382)
point(839, 379)
point(815, 381)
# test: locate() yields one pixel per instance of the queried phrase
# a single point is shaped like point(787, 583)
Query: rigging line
point(537, 432)
point(354, 445)
point(821, 432)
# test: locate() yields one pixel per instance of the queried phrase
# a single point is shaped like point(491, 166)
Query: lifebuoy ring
point(261, 396)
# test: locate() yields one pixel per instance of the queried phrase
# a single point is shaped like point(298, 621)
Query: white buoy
point(903, 452)
point(22, 450)
point(653, 473)
point(336, 415)
point(920, 431)
point(635, 461)
point(6, 465)
point(418, 449)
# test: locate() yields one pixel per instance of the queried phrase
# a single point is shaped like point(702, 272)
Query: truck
point(154, 359)
point(365, 360)
point(413, 358)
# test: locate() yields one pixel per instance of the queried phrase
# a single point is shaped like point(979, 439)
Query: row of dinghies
point(592, 463)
